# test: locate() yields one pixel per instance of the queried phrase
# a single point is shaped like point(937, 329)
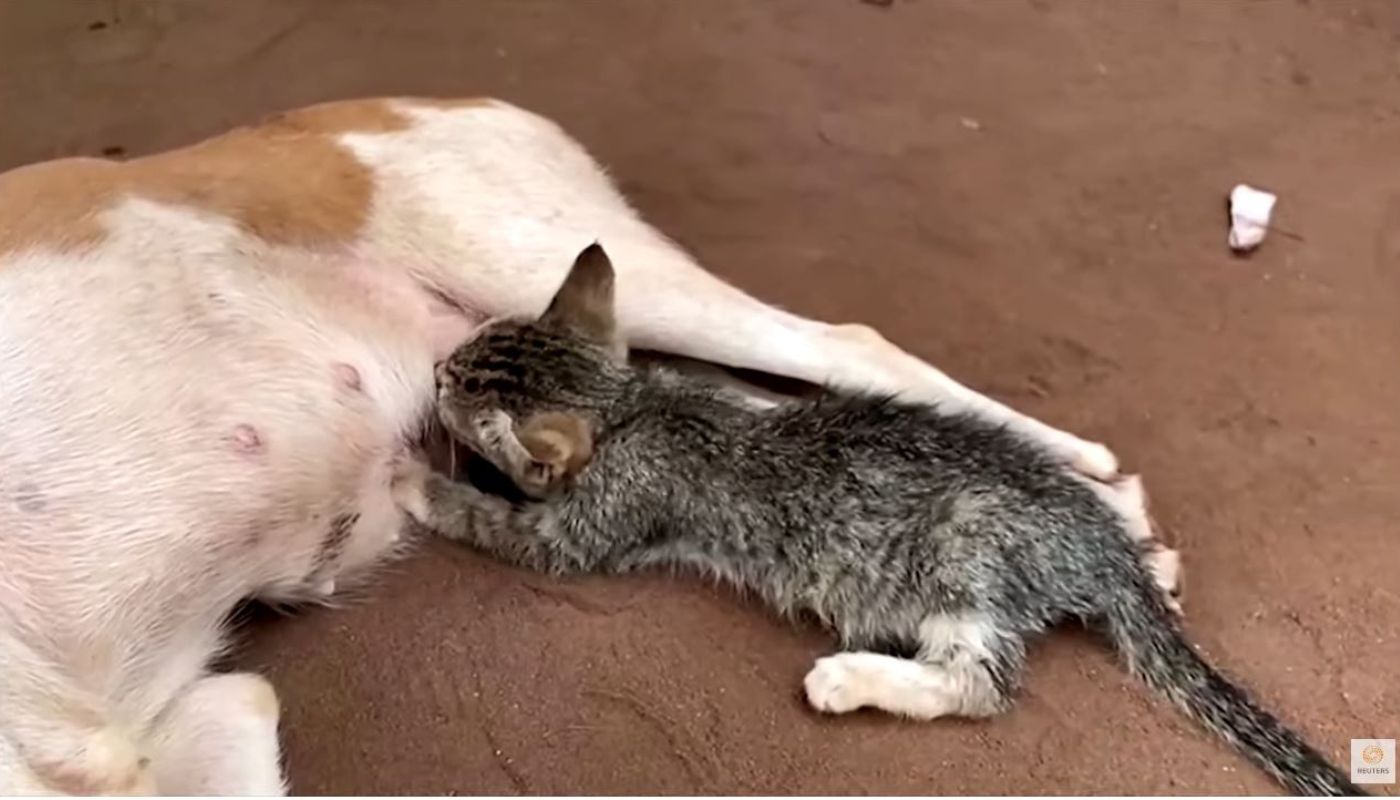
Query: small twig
point(1297, 237)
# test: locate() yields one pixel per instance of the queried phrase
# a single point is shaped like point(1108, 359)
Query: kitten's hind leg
point(967, 667)
point(845, 682)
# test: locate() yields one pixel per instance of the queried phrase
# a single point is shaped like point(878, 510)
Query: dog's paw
point(1094, 460)
point(1164, 564)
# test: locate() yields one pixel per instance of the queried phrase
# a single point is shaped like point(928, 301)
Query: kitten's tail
point(1147, 636)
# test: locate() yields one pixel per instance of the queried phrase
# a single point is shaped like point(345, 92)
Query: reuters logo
point(1372, 754)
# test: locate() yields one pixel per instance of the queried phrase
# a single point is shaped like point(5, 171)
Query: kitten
point(940, 537)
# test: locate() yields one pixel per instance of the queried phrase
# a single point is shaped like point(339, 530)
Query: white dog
point(210, 361)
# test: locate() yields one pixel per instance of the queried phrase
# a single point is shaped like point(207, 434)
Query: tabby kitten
point(933, 544)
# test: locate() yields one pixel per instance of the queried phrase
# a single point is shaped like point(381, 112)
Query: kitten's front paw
point(493, 430)
point(539, 479)
point(832, 687)
point(559, 445)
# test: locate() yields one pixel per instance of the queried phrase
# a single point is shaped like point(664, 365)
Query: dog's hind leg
point(667, 303)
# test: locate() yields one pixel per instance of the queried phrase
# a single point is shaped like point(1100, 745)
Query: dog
point(212, 359)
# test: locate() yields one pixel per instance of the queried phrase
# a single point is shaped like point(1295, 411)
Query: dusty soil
point(1028, 194)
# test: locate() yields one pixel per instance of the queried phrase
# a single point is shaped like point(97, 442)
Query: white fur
point(185, 409)
point(946, 679)
point(220, 737)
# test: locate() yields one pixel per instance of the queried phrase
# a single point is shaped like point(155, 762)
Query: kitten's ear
point(584, 303)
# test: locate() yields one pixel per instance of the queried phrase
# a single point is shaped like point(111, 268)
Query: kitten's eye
point(471, 385)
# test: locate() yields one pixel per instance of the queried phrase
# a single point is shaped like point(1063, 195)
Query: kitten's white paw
point(833, 687)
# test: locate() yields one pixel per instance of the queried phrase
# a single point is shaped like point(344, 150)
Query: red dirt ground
point(1028, 194)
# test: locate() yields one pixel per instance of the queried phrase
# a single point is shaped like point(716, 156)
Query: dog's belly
point(175, 437)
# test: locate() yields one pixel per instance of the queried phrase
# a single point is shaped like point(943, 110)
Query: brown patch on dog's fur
point(285, 180)
point(453, 103)
point(344, 116)
point(55, 204)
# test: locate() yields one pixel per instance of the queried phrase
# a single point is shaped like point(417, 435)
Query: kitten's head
point(554, 375)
